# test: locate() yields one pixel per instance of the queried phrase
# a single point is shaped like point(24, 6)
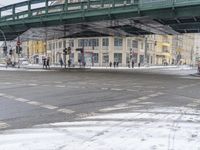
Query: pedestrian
point(44, 61)
point(69, 63)
point(139, 64)
point(128, 64)
point(110, 64)
point(199, 68)
point(61, 62)
point(114, 64)
point(48, 63)
point(133, 64)
point(117, 63)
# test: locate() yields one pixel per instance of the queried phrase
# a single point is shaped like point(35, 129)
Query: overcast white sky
point(7, 2)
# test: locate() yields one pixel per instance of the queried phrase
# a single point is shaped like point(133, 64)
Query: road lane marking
point(9, 96)
point(2, 94)
point(131, 90)
point(104, 88)
point(49, 107)
point(134, 101)
point(121, 105)
point(60, 86)
point(192, 104)
point(3, 125)
point(115, 89)
point(32, 84)
point(67, 111)
point(34, 103)
point(144, 98)
point(21, 100)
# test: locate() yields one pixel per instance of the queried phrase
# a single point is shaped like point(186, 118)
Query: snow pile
point(157, 129)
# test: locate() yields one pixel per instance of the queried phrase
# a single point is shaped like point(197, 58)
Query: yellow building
point(163, 49)
point(35, 50)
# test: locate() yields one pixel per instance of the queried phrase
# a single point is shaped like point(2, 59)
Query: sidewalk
point(35, 67)
point(155, 129)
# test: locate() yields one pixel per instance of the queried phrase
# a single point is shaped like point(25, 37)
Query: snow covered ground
point(167, 128)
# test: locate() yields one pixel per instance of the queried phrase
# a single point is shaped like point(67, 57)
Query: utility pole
point(146, 49)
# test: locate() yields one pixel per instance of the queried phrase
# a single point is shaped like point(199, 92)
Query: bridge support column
point(13, 12)
point(46, 5)
point(29, 9)
point(66, 5)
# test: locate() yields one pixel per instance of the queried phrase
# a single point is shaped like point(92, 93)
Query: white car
point(24, 62)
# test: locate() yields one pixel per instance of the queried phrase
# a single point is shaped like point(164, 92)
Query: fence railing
point(26, 9)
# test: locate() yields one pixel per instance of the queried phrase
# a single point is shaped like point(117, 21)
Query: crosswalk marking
point(115, 89)
point(134, 101)
point(143, 98)
point(32, 84)
point(34, 103)
point(67, 111)
point(60, 86)
point(21, 100)
point(3, 125)
point(9, 96)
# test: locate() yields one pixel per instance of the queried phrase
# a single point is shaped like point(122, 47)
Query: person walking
point(128, 64)
point(48, 63)
point(44, 61)
point(110, 64)
point(114, 64)
point(133, 63)
point(117, 63)
point(61, 62)
point(139, 64)
point(69, 63)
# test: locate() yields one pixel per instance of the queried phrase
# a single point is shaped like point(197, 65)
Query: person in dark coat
point(48, 63)
point(110, 64)
point(133, 63)
point(61, 62)
point(44, 62)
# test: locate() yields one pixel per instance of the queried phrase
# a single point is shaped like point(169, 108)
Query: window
point(142, 45)
point(105, 42)
point(135, 44)
point(54, 46)
point(60, 44)
point(118, 42)
point(118, 57)
point(88, 42)
point(105, 58)
point(96, 57)
point(165, 49)
point(127, 57)
point(50, 46)
point(128, 43)
point(71, 43)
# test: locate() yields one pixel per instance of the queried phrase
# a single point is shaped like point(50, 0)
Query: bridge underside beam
point(119, 21)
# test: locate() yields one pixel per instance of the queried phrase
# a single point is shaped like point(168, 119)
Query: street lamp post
point(5, 41)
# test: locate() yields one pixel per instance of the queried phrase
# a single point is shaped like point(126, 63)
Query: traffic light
point(10, 52)
point(5, 50)
point(18, 50)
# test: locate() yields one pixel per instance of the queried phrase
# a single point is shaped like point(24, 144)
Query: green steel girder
point(120, 9)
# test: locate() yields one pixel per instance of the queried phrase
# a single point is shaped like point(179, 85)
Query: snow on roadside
point(159, 129)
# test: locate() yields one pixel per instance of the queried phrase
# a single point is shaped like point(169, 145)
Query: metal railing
point(86, 5)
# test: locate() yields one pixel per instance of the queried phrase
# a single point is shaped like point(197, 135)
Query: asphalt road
point(29, 98)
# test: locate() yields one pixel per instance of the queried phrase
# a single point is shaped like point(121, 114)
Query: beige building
point(99, 51)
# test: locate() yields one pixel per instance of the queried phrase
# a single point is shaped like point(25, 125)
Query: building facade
point(100, 51)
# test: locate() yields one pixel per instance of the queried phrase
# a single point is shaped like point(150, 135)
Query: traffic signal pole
point(5, 47)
